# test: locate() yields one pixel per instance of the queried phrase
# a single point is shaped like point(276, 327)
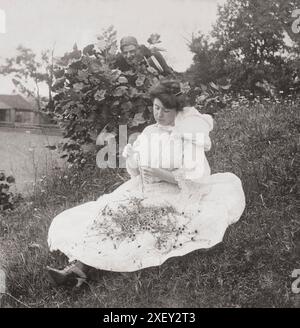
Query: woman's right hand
point(128, 151)
point(161, 174)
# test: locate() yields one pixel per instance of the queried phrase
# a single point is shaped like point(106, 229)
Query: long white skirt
point(97, 233)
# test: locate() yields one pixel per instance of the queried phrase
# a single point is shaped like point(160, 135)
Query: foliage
point(92, 96)
point(7, 199)
point(132, 219)
point(211, 98)
point(28, 73)
point(248, 46)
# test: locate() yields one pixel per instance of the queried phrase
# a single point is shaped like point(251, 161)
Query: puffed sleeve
point(193, 130)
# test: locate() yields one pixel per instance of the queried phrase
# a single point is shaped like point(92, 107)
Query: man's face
point(129, 52)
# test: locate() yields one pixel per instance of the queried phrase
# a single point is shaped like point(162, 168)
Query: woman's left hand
point(162, 174)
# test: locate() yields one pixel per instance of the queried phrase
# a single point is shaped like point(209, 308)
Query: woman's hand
point(128, 151)
point(162, 174)
point(131, 160)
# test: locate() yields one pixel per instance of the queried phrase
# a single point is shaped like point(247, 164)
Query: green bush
point(7, 199)
point(92, 96)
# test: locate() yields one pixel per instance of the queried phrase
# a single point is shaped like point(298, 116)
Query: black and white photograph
point(149, 156)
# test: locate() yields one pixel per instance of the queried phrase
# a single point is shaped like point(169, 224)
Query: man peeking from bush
point(132, 53)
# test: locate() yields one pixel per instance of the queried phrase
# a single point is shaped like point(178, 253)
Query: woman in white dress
point(172, 205)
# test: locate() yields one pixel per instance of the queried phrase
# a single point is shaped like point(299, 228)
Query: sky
point(42, 24)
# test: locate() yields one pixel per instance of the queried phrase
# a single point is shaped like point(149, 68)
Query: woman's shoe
point(71, 275)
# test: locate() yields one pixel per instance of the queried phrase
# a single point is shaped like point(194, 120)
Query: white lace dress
point(142, 224)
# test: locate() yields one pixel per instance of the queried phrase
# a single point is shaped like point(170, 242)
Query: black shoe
point(71, 276)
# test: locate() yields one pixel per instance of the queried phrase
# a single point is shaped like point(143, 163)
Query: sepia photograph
point(149, 156)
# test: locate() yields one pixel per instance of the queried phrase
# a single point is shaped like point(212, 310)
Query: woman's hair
point(169, 93)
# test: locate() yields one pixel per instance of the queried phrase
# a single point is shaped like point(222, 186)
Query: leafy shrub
point(248, 46)
point(7, 199)
point(210, 98)
point(92, 96)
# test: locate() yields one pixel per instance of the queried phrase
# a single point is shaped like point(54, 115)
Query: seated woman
point(171, 206)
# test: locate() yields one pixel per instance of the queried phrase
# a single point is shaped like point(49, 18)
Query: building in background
point(15, 110)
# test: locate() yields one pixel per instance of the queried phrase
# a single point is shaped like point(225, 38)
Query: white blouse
point(179, 148)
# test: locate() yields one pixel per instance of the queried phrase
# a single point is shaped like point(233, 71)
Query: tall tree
point(28, 73)
point(248, 44)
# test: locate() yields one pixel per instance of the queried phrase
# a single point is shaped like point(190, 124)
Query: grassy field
point(252, 266)
point(23, 154)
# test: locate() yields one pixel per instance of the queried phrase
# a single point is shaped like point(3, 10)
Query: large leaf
point(83, 76)
point(100, 95)
point(115, 74)
point(58, 73)
point(89, 50)
point(113, 50)
point(140, 80)
point(154, 39)
point(122, 80)
point(95, 67)
point(137, 120)
point(202, 98)
point(214, 86)
point(226, 87)
point(133, 92)
point(59, 83)
point(120, 91)
point(185, 87)
point(78, 86)
point(127, 106)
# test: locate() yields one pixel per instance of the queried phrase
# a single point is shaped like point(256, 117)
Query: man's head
point(129, 48)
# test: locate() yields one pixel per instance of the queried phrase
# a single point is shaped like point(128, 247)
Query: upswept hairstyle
point(169, 93)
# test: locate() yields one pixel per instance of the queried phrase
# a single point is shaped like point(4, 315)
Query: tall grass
point(252, 266)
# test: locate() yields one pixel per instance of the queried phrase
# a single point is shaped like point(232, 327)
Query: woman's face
point(162, 115)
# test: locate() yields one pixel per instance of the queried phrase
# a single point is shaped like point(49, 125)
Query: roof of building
point(3, 105)
point(15, 101)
